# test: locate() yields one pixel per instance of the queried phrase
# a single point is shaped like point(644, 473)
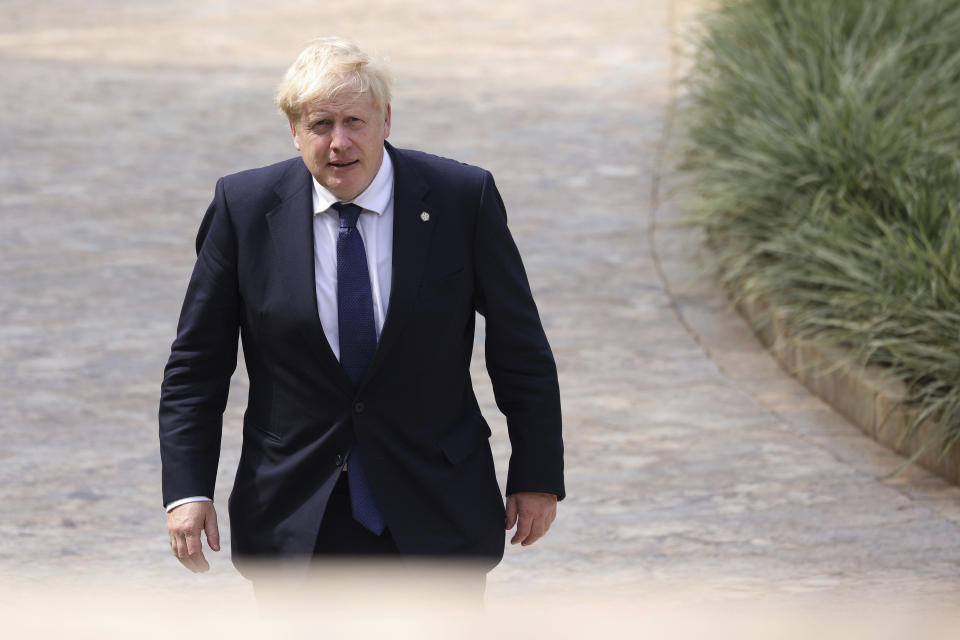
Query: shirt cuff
point(176, 503)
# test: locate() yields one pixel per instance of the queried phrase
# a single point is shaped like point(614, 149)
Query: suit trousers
point(341, 538)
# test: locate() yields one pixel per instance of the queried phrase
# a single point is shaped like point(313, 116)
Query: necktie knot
point(349, 213)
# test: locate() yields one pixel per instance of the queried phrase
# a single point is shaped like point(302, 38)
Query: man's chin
point(344, 190)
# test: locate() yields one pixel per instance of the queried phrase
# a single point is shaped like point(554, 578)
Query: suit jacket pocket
point(266, 433)
point(460, 443)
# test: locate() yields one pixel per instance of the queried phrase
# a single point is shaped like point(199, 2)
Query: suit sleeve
point(519, 360)
point(203, 357)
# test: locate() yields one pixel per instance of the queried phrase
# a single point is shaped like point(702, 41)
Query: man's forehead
point(340, 103)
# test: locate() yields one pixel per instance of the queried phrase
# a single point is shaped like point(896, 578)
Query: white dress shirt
point(376, 228)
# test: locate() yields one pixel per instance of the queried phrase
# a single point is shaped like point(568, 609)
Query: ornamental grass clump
point(824, 142)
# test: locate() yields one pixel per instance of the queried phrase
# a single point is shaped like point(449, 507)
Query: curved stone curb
point(867, 396)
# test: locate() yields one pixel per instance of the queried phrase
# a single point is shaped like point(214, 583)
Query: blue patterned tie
point(358, 341)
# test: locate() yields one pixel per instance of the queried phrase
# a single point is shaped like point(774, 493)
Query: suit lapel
point(411, 240)
point(291, 227)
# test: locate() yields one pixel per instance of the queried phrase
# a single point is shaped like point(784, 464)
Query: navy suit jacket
point(424, 439)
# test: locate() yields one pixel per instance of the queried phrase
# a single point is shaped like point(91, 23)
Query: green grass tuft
point(825, 149)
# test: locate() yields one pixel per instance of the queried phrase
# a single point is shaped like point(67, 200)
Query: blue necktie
point(358, 341)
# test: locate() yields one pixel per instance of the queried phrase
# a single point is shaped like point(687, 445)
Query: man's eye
point(319, 124)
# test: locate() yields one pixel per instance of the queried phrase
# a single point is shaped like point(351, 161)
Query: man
point(352, 275)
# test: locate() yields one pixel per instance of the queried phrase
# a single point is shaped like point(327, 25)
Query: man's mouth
point(341, 164)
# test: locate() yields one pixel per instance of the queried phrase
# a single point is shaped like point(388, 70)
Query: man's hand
point(533, 513)
point(184, 524)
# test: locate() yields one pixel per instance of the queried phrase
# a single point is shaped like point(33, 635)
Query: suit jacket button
point(358, 408)
point(338, 461)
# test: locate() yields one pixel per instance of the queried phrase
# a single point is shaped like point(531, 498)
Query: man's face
point(341, 142)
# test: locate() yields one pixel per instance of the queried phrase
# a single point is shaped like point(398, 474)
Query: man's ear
point(386, 125)
point(293, 132)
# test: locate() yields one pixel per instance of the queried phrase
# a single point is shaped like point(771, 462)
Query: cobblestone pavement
point(691, 459)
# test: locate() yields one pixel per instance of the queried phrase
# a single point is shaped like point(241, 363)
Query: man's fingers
point(190, 562)
point(180, 547)
point(524, 522)
point(196, 562)
point(193, 541)
point(213, 533)
point(195, 551)
point(200, 563)
point(537, 530)
point(511, 512)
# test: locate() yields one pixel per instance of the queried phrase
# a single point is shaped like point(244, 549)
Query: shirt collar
point(376, 197)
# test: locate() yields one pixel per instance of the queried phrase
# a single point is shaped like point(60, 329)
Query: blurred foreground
point(373, 601)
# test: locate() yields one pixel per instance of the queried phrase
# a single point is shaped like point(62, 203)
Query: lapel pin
point(425, 216)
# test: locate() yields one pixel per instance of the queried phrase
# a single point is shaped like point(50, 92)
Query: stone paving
point(692, 459)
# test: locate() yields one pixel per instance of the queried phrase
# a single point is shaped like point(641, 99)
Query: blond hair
point(328, 68)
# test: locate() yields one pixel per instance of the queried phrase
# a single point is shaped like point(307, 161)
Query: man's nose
point(339, 140)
